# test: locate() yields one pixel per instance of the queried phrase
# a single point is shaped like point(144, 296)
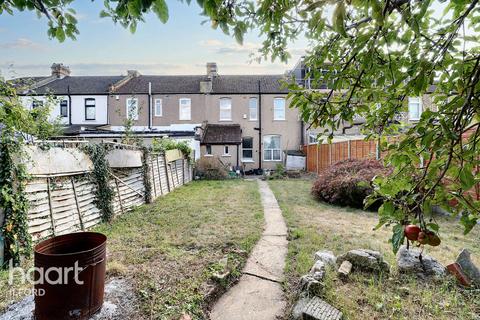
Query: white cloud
point(221, 47)
point(21, 43)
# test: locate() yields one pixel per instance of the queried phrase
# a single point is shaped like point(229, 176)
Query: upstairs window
point(247, 148)
point(253, 109)
point(90, 111)
point(225, 109)
point(208, 150)
point(272, 148)
point(158, 108)
point(37, 104)
point(64, 108)
point(279, 109)
point(226, 151)
point(414, 108)
point(132, 108)
point(185, 109)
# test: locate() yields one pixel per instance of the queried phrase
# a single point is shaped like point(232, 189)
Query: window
point(414, 108)
point(208, 150)
point(226, 152)
point(158, 108)
point(247, 148)
point(37, 104)
point(271, 148)
point(279, 109)
point(185, 111)
point(312, 138)
point(64, 108)
point(132, 108)
point(253, 109)
point(90, 112)
point(225, 109)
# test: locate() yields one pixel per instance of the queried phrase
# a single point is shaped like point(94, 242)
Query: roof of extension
point(222, 134)
point(79, 85)
point(221, 84)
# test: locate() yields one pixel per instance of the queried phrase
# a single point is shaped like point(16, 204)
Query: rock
point(470, 269)
point(365, 260)
point(408, 262)
point(185, 316)
point(345, 269)
point(311, 286)
point(317, 309)
point(319, 266)
point(319, 275)
point(297, 312)
point(327, 257)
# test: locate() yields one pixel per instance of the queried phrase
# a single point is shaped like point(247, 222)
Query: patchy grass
point(170, 249)
point(314, 226)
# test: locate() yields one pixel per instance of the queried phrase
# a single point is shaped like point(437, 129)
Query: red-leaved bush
point(347, 183)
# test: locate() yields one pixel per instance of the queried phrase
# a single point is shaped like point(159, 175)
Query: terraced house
point(243, 119)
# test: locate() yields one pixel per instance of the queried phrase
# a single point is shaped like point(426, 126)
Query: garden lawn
point(170, 249)
point(315, 226)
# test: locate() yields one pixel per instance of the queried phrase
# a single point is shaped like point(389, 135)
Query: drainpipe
point(69, 106)
point(238, 152)
point(259, 126)
point(149, 106)
point(302, 134)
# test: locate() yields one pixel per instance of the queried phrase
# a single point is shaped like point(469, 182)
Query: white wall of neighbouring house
point(27, 102)
point(78, 109)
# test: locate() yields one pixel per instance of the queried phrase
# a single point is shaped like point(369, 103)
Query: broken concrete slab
point(408, 261)
point(365, 260)
point(468, 267)
point(345, 269)
point(327, 257)
point(318, 309)
point(251, 298)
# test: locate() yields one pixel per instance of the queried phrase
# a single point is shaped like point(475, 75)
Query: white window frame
point(226, 151)
point(417, 101)
point(271, 151)
point(128, 105)
point(157, 112)
point(253, 109)
point(281, 116)
point(223, 106)
point(181, 105)
point(247, 159)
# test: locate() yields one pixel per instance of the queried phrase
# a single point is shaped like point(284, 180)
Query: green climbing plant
point(164, 144)
point(104, 192)
point(146, 177)
point(17, 125)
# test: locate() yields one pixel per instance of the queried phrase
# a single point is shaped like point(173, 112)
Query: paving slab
point(259, 295)
point(251, 298)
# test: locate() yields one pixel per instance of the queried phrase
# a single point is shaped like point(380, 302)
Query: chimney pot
point(133, 73)
point(59, 70)
point(212, 70)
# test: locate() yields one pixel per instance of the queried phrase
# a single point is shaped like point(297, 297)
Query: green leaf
point(60, 34)
point(466, 178)
point(339, 19)
point(161, 10)
point(398, 237)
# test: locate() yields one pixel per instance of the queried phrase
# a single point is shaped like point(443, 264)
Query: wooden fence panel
point(66, 203)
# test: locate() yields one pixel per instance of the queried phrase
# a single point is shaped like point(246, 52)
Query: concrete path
point(258, 295)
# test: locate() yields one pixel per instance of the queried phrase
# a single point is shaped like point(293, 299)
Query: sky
point(181, 46)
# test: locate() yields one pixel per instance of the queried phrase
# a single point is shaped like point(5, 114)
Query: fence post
point(159, 176)
point(349, 148)
point(330, 153)
point(377, 149)
point(317, 169)
point(119, 196)
point(76, 203)
point(166, 172)
point(50, 206)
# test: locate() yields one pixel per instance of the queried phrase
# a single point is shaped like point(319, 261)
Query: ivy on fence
point(146, 176)
point(100, 175)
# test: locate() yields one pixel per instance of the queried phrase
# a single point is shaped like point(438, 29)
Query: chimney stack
point(212, 70)
point(133, 73)
point(60, 71)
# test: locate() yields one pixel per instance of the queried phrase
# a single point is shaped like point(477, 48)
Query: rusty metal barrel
point(70, 276)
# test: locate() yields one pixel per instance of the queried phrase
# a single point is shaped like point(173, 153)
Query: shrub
point(347, 183)
point(211, 168)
